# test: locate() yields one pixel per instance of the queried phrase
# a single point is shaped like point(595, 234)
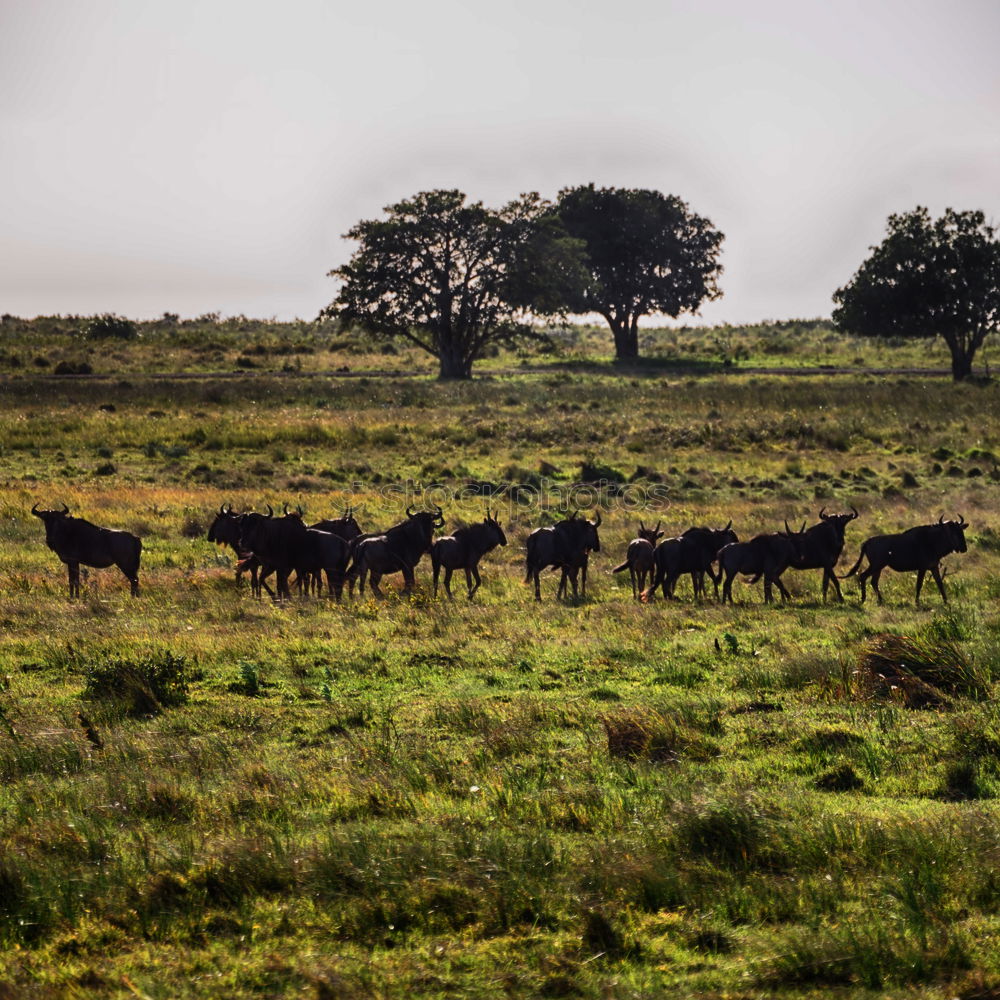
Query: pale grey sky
point(207, 155)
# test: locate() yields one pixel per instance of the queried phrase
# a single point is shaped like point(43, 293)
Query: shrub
point(143, 686)
point(110, 327)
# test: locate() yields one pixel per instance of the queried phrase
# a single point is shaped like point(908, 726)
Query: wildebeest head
point(955, 532)
point(51, 518)
point(651, 535)
point(494, 530)
point(838, 522)
point(225, 529)
point(582, 531)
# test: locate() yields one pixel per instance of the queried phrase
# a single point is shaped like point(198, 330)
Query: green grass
point(204, 795)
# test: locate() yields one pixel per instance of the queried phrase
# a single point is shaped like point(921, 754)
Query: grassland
point(501, 798)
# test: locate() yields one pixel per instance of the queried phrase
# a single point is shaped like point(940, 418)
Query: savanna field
point(208, 795)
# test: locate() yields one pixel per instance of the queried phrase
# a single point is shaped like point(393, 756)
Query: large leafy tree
point(453, 277)
point(928, 277)
point(646, 253)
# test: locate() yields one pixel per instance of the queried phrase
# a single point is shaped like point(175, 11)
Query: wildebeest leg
point(768, 596)
point(447, 582)
point(373, 579)
point(727, 588)
point(920, 583)
point(470, 574)
point(74, 578)
point(830, 577)
point(874, 577)
point(538, 588)
point(583, 580)
point(936, 573)
point(716, 579)
point(409, 579)
point(785, 596)
point(632, 577)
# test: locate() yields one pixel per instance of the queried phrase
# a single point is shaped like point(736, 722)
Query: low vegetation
point(204, 794)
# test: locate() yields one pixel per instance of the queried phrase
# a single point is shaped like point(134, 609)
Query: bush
point(110, 327)
point(144, 686)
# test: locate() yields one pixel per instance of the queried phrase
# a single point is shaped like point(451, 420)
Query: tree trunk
point(453, 365)
point(961, 359)
point(626, 341)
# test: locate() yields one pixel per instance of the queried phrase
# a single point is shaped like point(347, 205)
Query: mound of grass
point(922, 670)
point(143, 686)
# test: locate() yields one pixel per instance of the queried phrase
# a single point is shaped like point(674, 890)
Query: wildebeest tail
point(854, 568)
point(623, 566)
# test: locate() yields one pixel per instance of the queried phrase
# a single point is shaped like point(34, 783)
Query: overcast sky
point(208, 155)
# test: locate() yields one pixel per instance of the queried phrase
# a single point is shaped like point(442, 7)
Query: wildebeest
point(344, 527)
point(285, 545)
point(820, 546)
point(77, 541)
point(566, 546)
point(464, 549)
point(639, 556)
point(921, 549)
point(398, 550)
point(692, 552)
point(225, 530)
point(767, 556)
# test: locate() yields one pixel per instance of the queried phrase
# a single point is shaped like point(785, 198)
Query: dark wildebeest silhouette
point(766, 556)
point(639, 556)
point(566, 546)
point(463, 550)
point(920, 549)
point(277, 542)
point(285, 545)
point(693, 552)
point(344, 527)
point(225, 530)
point(77, 542)
point(398, 550)
point(820, 546)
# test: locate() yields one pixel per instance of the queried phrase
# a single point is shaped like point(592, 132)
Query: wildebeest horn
point(65, 509)
point(222, 509)
point(642, 527)
point(728, 526)
point(961, 520)
point(300, 510)
point(941, 519)
point(657, 528)
point(34, 509)
point(855, 514)
point(597, 520)
point(270, 511)
point(788, 530)
point(286, 510)
point(822, 513)
point(802, 530)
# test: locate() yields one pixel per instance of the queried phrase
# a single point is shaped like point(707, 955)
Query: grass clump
point(923, 670)
point(143, 686)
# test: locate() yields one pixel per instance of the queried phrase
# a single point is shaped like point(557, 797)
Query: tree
point(454, 278)
point(928, 278)
point(646, 253)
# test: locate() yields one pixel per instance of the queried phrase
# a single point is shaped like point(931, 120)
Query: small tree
point(646, 253)
point(454, 278)
point(928, 278)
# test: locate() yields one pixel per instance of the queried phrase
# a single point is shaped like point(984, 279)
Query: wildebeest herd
point(268, 545)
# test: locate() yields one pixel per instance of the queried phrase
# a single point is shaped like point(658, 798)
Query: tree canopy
point(646, 253)
point(454, 277)
point(928, 277)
